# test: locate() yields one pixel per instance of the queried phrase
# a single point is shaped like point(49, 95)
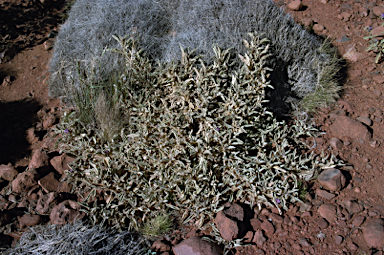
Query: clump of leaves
point(157, 226)
point(376, 45)
point(197, 136)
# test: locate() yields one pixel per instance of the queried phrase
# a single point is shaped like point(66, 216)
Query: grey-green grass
point(197, 136)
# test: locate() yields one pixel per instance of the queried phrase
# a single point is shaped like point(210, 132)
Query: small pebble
point(357, 190)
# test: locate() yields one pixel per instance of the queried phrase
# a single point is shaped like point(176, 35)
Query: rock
point(353, 206)
point(324, 194)
point(308, 22)
point(235, 211)
point(358, 221)
point(373, 232)
point(336, 144)
point(49, 183)
point(345, 126)
point(276, 218)
point(65, 212)
point(346, 16)
point(24, 181)
point(318, 28)
point(60, 163)
point(295, 5)
point(248, 237)
point(29, 220)
point(338, 239)
point(196, 246)
point(48, 44)
point(378, 31)
point(160, 246)
point(304, 242)
point(8, 172)
point(256, 224)
point(31, 136)
point(7, 55)
point(6, 81)
point(378, 10)
point(49, 121)
point(332, 179)
point(322, 223)
point(378, 78)
point(228, 228)
point(351, 53)
point(44, 203)
point(259, 238)
point(328, 212)
point(268, 227)
point(39, 159)
point(365, 120)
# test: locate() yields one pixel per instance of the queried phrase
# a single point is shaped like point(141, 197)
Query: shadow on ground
point(15, 119)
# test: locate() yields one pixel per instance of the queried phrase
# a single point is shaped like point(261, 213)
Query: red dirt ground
point(24, 106)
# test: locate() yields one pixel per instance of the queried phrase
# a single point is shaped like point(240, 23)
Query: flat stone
point(324, 194)
point(228, 228)
point(29, 220)
point(49, 183)
point(255, 223)
point(328, 211)
point(358, 221)
point(378, 10)
point(378, 78)
point(8, 172)
point(336, 144)
point(276, 218)
point(322, 223)
point(353, 207)
point(196, 246)
point(365, 120)
point(345, 126)
point(295, 5)
point(235, 211)
point(67, 211)
point(24, 181)
point(373, 233)
point(268, 227)
point(338, 239)
point(60, 163)
point(259, 238)
point(332, 179)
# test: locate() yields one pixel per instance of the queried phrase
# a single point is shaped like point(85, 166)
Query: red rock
point(378, 10)
point(324, 194)
point(235, 211)
point(318, 28)
point(332, 179)
point(24, 181)
point(8, 172)
point(228, 228)
point(39, 159)
point(29, 220)
point(268, 227)
point(328, 211)
point(295, 5)
point(365, 120)
point(338, 239)
point(49, 121)
point(196, 246)
point(336, 144)
point(322, 223)
point(358, 221)
point(345, 126)
point(65, 212)
point(48, 45)
point(256, 224)
point(160, 246)
point(49, 183)
point(378, 78)
point(353, 206)
point(373, 232)
point(259, 238)
point(60, 163)
point(31, 136)
point(248, 237)
point(276, 218)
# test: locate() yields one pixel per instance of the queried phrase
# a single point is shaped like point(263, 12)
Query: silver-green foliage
point(78, 239)
point(197, 136)
point(302, 66)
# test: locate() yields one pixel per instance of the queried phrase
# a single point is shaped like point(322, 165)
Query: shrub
point(78, 239)
point(198, 135)
point(302, 67)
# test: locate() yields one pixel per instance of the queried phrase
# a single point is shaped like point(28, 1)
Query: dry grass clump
point(78, 239)
point(197, 136)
